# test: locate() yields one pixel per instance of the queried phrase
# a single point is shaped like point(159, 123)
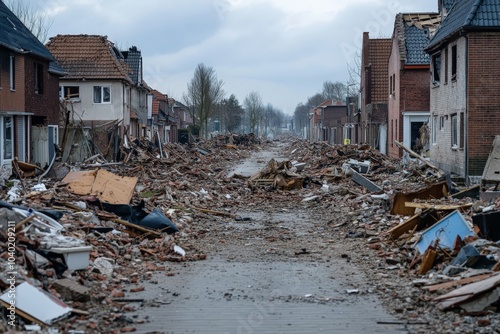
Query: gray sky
point(282, 49)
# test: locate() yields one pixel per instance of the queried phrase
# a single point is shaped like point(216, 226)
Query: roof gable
point(89, 57)
point(467, 15)
point(16, 37)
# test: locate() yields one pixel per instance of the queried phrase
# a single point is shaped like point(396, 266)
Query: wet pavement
point(248, 286)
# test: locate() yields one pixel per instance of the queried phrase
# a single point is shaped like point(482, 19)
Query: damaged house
point(96, 90)
point(374, 92)
point(29, 104)
point(464, 106)
point(409, 81)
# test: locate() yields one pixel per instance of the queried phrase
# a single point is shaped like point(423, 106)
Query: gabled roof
point(467, 15)
point(89, 57)
point(413, 32)
point(157, 98)
point(16, 37)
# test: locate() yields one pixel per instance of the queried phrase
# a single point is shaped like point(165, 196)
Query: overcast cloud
point(282, 49)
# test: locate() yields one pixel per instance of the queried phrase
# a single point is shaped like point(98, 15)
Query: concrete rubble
point(93, 244)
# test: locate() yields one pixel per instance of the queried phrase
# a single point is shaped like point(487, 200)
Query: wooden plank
point(438, 190)
point(404, 227)
point(437, 206)
point(447, 285)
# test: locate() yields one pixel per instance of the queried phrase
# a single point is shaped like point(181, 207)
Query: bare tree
point(334, 91)
point(354, 70)
point(32, 17)
point(254, 109)
point(204, 92)
point(315, 100)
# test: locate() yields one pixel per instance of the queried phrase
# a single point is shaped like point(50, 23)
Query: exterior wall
point(394, 102)
point(483, 97)
point(45, 105)
point(448, 99)
point(86, 110)
point(12, 100)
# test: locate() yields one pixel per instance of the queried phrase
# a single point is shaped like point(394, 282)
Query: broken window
point(69, 93)
point(454, 63)
point(454, 131)
point(7, 138)
point(38, 69)
point(436, 65)
point(102, 94)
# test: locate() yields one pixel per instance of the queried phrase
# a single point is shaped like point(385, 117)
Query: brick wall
point(45, 106)
point(484, 97)
point(394, 112)
point(11, 100)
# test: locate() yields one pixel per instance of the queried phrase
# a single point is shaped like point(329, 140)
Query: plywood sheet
point(105, 185)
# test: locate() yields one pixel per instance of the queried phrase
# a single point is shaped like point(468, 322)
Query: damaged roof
point(413, 33)
point(467, 15)
point(89, 57)
point(16, 37)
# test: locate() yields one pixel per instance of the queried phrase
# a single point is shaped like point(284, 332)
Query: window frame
point(12, 72)
point(71, 98)
point(454, 58)
point(436, 68)
point(38, 76)
point(101, 94)
point(454, 130)
point(434, 129)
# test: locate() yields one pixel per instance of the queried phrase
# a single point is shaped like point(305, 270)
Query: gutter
point(466, 118)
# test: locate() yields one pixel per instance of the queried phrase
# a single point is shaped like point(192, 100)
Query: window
point(69, 93)
point(436, 65)
point(8, 135)
point(434, 129)
point(445, 61)
point(441, 123)
point(454, 131)
point(454, 63)
point(102, 94)
point(462, 130)
point(12, 77)
point(390, 85)
point(38, 69)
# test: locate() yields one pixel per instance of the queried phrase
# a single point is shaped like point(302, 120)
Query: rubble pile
point(95, 234)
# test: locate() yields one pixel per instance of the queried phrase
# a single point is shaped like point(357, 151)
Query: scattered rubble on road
point(90, 237)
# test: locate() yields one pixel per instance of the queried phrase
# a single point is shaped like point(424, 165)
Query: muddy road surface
point(277, 268)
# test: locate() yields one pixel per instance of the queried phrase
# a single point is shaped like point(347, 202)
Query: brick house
point(408, 107)
point(29, 85)
point(374, 90)
point(464, 99)
point(97, 83)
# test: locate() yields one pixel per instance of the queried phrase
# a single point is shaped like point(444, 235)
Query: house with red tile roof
point(29, 103)
point(97, 82)
point(374, 92)
point(408, 78)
